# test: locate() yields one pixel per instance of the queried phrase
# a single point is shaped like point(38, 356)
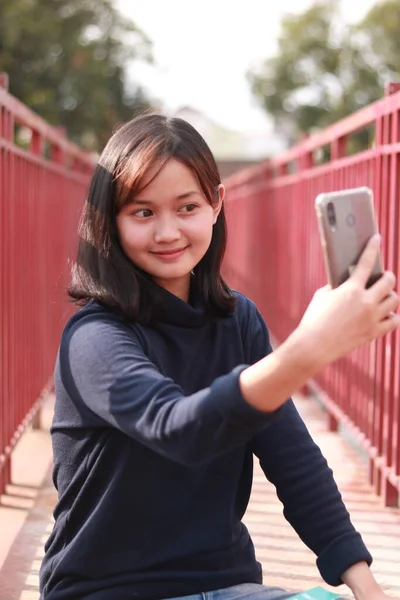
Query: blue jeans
point(247, 591)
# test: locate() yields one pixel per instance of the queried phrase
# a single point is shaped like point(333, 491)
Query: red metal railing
point(40, 203)
point(274, 255)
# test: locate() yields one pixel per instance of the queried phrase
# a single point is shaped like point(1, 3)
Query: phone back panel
point(344, 241)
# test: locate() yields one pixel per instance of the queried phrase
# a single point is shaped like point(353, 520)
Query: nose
point(167, 230)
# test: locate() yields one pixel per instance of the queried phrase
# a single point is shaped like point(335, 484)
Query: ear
point(218, 205)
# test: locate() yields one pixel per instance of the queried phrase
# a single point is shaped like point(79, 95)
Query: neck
point(177, 287)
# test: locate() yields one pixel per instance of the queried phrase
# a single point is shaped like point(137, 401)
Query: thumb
point(367, 260)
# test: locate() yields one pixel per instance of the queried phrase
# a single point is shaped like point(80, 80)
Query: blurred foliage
point(66, 60)
point(324, 70)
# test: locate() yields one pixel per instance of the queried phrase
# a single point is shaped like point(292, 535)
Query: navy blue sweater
point(153, 460)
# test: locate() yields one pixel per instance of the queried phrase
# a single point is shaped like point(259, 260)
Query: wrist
point(361, 581)
point(306, 351)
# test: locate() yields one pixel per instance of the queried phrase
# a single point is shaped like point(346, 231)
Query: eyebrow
point(180, 197)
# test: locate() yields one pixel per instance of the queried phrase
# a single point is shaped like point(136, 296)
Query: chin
point(172, 271)
point(171, 275)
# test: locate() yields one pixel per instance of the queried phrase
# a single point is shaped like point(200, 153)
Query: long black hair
point(103, 273)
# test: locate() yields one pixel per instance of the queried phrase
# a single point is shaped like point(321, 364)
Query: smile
point(170, 254)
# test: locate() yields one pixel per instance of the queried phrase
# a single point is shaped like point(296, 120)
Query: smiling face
point(167, 228)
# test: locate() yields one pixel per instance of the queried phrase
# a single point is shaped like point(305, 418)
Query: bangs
point(137, 170)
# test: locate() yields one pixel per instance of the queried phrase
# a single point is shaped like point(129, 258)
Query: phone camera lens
point(331, 214)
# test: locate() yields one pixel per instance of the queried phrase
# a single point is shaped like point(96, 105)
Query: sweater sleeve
point(103, 366)
point(305, 484)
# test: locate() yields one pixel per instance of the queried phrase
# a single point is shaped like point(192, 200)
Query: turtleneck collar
point(180, 313)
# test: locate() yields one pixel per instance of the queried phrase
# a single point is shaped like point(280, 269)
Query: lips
point(170, 254)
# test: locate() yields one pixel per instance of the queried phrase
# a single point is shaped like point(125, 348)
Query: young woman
point(166, 387)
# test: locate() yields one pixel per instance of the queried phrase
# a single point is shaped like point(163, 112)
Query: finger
point(367, 261)
point(389, 325)
point(389, 305)
point(382, 287)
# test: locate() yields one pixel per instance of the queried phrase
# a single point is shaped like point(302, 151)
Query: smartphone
point(346, 221)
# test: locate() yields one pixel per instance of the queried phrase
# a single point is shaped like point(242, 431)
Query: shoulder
point(246, 310)
point(96, 342)
point(93, 313)
point(94, 326)
point(254, 331)
point(243, 303)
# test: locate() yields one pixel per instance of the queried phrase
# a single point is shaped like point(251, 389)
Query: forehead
point(168, 178)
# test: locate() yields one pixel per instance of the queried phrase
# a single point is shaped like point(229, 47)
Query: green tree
point(66, 60)
point(322, 70)
point(379, 39)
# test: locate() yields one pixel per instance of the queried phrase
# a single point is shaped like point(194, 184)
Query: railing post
point(4, 80)
point(6, 130)
point(384, 355)
point(305, 162)
point(36, 422)
point(391, 407)
point(57, 152)
point(392, 88)
point(6, 118)
point(37, 143)
point(338, 148)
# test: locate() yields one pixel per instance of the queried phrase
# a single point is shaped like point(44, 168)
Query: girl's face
point(167, 229)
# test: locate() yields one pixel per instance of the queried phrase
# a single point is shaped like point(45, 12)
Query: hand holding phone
point(346, 221)
point(337, 321)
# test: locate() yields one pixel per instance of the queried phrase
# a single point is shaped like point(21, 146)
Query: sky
point(204, 48)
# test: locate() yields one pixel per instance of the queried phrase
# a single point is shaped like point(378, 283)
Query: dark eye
point(188, 208)
point(144, 213)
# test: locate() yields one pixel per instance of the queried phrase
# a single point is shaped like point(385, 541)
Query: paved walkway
point(287, 562)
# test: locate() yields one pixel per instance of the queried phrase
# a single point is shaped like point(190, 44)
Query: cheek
point(200, 229)
point(131, 236)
